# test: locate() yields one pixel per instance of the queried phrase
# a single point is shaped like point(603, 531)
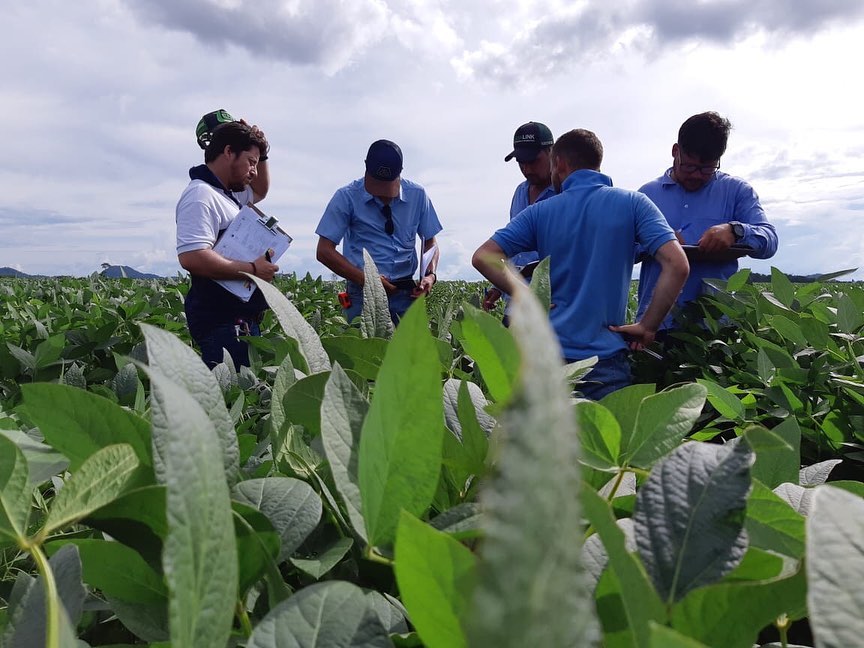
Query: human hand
point(257, 131)
point(491, 298)
point(264, 268)
point(637, 335)
point(717, 238)
point(389, 288)
point(424, 286)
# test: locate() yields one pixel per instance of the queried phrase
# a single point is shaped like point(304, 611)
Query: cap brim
point(386, 188)
point(527, 154)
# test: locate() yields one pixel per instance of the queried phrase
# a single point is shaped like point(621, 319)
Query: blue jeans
point(399, 302)
point(212, 341)
point(608, 375)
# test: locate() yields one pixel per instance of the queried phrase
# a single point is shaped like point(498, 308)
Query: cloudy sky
point(101, 99)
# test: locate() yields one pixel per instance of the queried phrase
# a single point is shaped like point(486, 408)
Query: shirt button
point(686, 206)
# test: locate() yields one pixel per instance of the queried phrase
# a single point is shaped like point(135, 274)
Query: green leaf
point(541, 285)
point(402, 435)
point(295, 325)
point(302, 402)
point(117, 571)
point(776, 460)
point(772, 524)
point(200, 556)
point(788, 329)
point(817, 473)
point(14, 492)
point(475, 398)
point(835, 567)
point(738, 280)
point(531, 587)
point(334, 614)
point(689, 516)
point(435, 574)
point(732, 614)
point(182, 366)
point(325, 560)
point(849, 315)
point(281, 383)
point(343, 411)
point(474, 426)
point(43, 462)
point(363, 355)
point(640, 601)
point(493, 349)
point(78, 423)
point(49, 351)
point(99, 480)
point(292, 507)
point(663, 637)
point(375, 321)
point(725, 402)
point(624, 405)
point(599, 434)
point(258, 548)
point(782, 287)
point(662, 421)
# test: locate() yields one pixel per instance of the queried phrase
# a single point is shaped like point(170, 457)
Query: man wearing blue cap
point(384, 214)
point(532, 144)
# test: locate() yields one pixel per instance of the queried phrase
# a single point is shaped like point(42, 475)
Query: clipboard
point(247, 238)
point(733, 252)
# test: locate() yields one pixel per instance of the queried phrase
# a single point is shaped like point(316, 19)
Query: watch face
point(738, 230)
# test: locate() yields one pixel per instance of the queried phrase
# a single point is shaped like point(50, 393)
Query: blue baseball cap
point(383, 168)
point(528, 140)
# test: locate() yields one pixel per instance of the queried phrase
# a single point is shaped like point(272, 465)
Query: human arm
point(261, 183)
point(489, 259)
point(328, 255)
point(674, 269)
point(212, 265)
point(758, 233)
point(431, 277)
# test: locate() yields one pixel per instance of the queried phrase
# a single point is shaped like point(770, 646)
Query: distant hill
point(125, 272)
point(12, 272)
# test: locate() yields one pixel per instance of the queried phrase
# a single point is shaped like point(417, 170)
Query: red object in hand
point(345, 300)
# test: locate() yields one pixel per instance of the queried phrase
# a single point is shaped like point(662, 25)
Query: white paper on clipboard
point(248, 237)
point(426, 259)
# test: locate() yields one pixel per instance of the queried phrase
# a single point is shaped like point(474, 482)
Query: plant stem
point(616, 485)
point(52, 609)
point(372, 555)
point(243, 615)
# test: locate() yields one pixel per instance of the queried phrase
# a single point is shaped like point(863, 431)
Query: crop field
point(441, 484)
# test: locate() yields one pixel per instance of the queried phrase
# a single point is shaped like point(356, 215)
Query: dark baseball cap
point(208, 123)
point(383, 168)
point(528, 140)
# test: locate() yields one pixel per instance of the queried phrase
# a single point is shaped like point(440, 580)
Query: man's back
point(588, 231)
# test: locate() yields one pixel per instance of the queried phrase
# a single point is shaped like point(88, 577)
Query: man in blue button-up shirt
point(712, 212)
point(589, 230)
point(383, 213)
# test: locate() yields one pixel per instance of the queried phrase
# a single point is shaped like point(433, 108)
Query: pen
point(683, 227)
point(267, 256)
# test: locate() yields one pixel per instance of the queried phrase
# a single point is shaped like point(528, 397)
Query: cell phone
point(344, 300)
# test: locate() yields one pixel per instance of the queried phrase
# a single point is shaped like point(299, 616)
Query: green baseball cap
point(209, 122)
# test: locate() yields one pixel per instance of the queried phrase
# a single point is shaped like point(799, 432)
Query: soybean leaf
point(541, 285)
point(724, 401)
point(343, 411)
point(363, 355)
point(390, 611)
point(292, 507)
point(835, 567)
point(43, 462)
point(181, 365)
point(435, 574)
point(690, 516)
point(705, 613)
point(462, 521)
point(776, 460)
point(258, 547)
point(782, 287)
point(148, 621)
point(99, 480)
point(200, 556)
point(452, 389)
point(281, 383)
point(662, 421)
point(772, 524)
point(302, 402)
point(624, 405)
point(295, 325)
point(640, 601)
point(334, 614)
point(849, 315)
point(326, 559)
point(493, 349)
point(474, 426)
point(14, 492)
point(78, 423)
point(599, 434)
point(798, 497)
point(375, 321)
point(402, 435)
point(738, 280)
point(531, 516)
point(817, 473)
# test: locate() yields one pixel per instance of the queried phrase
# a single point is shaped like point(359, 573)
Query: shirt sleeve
point(197, 226)
point(337, 216)
point(759, 234)
point(429, 223)
point(519, 235)
point(652, 230)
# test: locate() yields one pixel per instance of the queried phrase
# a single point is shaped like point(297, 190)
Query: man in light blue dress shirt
point(532, 144)
point(384, 214)
point(716, 216)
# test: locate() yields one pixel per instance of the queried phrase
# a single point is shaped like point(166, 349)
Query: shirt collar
point(586, 177)
point(369, 198)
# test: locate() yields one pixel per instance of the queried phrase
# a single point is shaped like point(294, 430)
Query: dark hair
point(239, 137)
point(580, 148)
point(705, 136)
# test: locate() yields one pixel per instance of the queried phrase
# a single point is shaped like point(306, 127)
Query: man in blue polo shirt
point(383, 213)
point(589, 230)
point(712, 212)
point(532, 143)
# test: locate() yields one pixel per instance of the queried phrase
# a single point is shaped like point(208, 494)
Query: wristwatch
point(737, 230)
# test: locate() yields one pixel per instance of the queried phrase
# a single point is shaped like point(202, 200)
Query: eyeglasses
point(388, 214)
point(704, 169)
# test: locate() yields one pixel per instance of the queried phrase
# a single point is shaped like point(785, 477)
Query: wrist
point(433, 275)
point(254, 268)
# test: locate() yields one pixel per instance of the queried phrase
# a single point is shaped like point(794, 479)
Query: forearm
point(212, 265)
point(674, 270)
point(489, 261)
point(336, 262)
point(261, 184)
